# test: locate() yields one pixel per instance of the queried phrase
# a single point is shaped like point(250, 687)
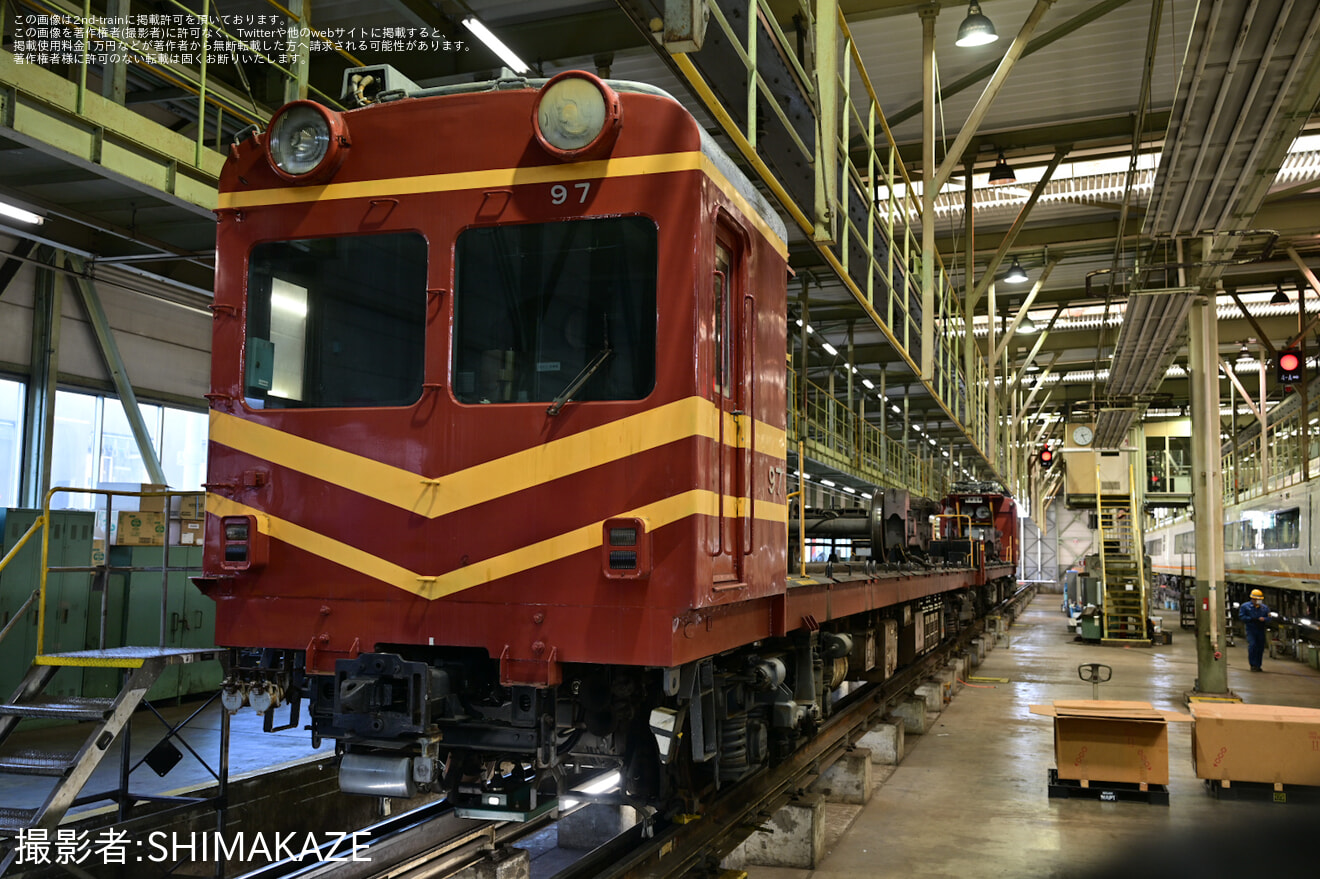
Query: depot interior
point(1116, 205)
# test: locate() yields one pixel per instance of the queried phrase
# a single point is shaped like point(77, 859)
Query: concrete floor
point(970, 798)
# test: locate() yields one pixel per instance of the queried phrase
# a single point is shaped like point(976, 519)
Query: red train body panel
point(525, 598)
point(497, 452)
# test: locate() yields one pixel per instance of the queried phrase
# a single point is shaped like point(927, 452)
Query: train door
point(729, 384)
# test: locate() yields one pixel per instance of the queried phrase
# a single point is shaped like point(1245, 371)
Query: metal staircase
point(103, 722)
point(107, 720)
point(1125, 598)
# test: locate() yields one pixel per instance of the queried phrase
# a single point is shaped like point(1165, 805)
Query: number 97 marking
point(559, 193)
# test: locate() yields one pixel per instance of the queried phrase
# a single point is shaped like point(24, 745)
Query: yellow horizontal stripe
point(87, 662)
point(495, 178)
point(1288, 575)
point(520, 471)
point(586, 538)
point(317, 544)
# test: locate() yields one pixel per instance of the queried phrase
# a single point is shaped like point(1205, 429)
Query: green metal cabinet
point(74, 604)
point(189, 615)
point(67, 596)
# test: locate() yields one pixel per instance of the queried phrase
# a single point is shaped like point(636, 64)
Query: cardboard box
point(141, 529)
point(187, 532)
point(1263, 743)
point(98, 552)
point(1108, 741)
point(192, 506)
point(153, 504)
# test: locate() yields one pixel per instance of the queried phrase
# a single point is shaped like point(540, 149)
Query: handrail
point(835, 428)
point(18, 615)
point(188, 79)
point(27, 535)
point(1104, 570)
point(863, 206)
point(36, 525)
point(109, 495)
point(1138, 540)
point(939, 524)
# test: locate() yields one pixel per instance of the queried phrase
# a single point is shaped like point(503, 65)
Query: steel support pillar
point(295, 88)
point(992, 393)
point(827, 108)
point(928, 190)
point(43, 369)
point(1207, 499)
point(114, 77)
point(969, 284)
point(114, 364)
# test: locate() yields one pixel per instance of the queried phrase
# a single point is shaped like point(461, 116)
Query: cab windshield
point(540, 305)
point(336, 322)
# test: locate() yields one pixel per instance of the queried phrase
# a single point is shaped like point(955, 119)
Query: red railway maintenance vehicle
point(497, 455)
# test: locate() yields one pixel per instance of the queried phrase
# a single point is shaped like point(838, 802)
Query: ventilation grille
point(623, 537)
point(623, 560)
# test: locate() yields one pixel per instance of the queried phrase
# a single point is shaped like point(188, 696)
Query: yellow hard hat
point(1256, 593)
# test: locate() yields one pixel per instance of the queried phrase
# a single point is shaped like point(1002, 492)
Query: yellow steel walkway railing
point(132, 656)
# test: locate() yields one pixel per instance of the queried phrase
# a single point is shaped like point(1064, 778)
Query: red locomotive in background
point(497, 455)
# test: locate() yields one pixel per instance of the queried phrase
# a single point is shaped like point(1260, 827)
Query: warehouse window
point(93, 446)
point(11, 440)
point(335, 322)
point(538, 305)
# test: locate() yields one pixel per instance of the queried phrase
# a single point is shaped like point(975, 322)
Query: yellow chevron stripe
point(520, 471)
point(586, 538)
point(630, 166)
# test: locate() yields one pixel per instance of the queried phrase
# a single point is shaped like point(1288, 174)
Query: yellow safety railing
point(836, 435)
point(1293, 442)
point(43, 658)
point(87, 25)
point(875, 187)
point(36, 526)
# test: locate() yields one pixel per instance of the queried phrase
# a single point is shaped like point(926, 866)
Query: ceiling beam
point(987, 70)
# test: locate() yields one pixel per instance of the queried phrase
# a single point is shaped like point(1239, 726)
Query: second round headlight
point(304, 141)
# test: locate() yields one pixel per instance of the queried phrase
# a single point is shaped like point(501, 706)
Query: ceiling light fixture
point(1027, 326)
point(495, 44)
point(976, 29)
point(1279, 297)
point(1001, 172)
point(1016, 274)
point(14, 212)
point(830, 349)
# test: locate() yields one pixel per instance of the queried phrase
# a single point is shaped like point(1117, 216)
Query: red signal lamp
point(1288, 367)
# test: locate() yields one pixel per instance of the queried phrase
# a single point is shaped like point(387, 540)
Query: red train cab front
point(495, 373)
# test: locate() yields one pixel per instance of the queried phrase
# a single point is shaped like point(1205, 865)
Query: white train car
point(1271, 543)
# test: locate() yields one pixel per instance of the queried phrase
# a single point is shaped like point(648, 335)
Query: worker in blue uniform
point(1253, 615)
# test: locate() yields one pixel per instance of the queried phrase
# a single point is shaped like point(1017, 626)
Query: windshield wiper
point(582, 378)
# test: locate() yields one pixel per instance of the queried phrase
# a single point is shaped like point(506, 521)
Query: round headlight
point(577, 116)
point(306, 141)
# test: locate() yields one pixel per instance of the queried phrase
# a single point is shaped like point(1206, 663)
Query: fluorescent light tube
point(492, 42)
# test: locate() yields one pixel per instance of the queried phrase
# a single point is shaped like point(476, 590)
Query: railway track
point(431, 842)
